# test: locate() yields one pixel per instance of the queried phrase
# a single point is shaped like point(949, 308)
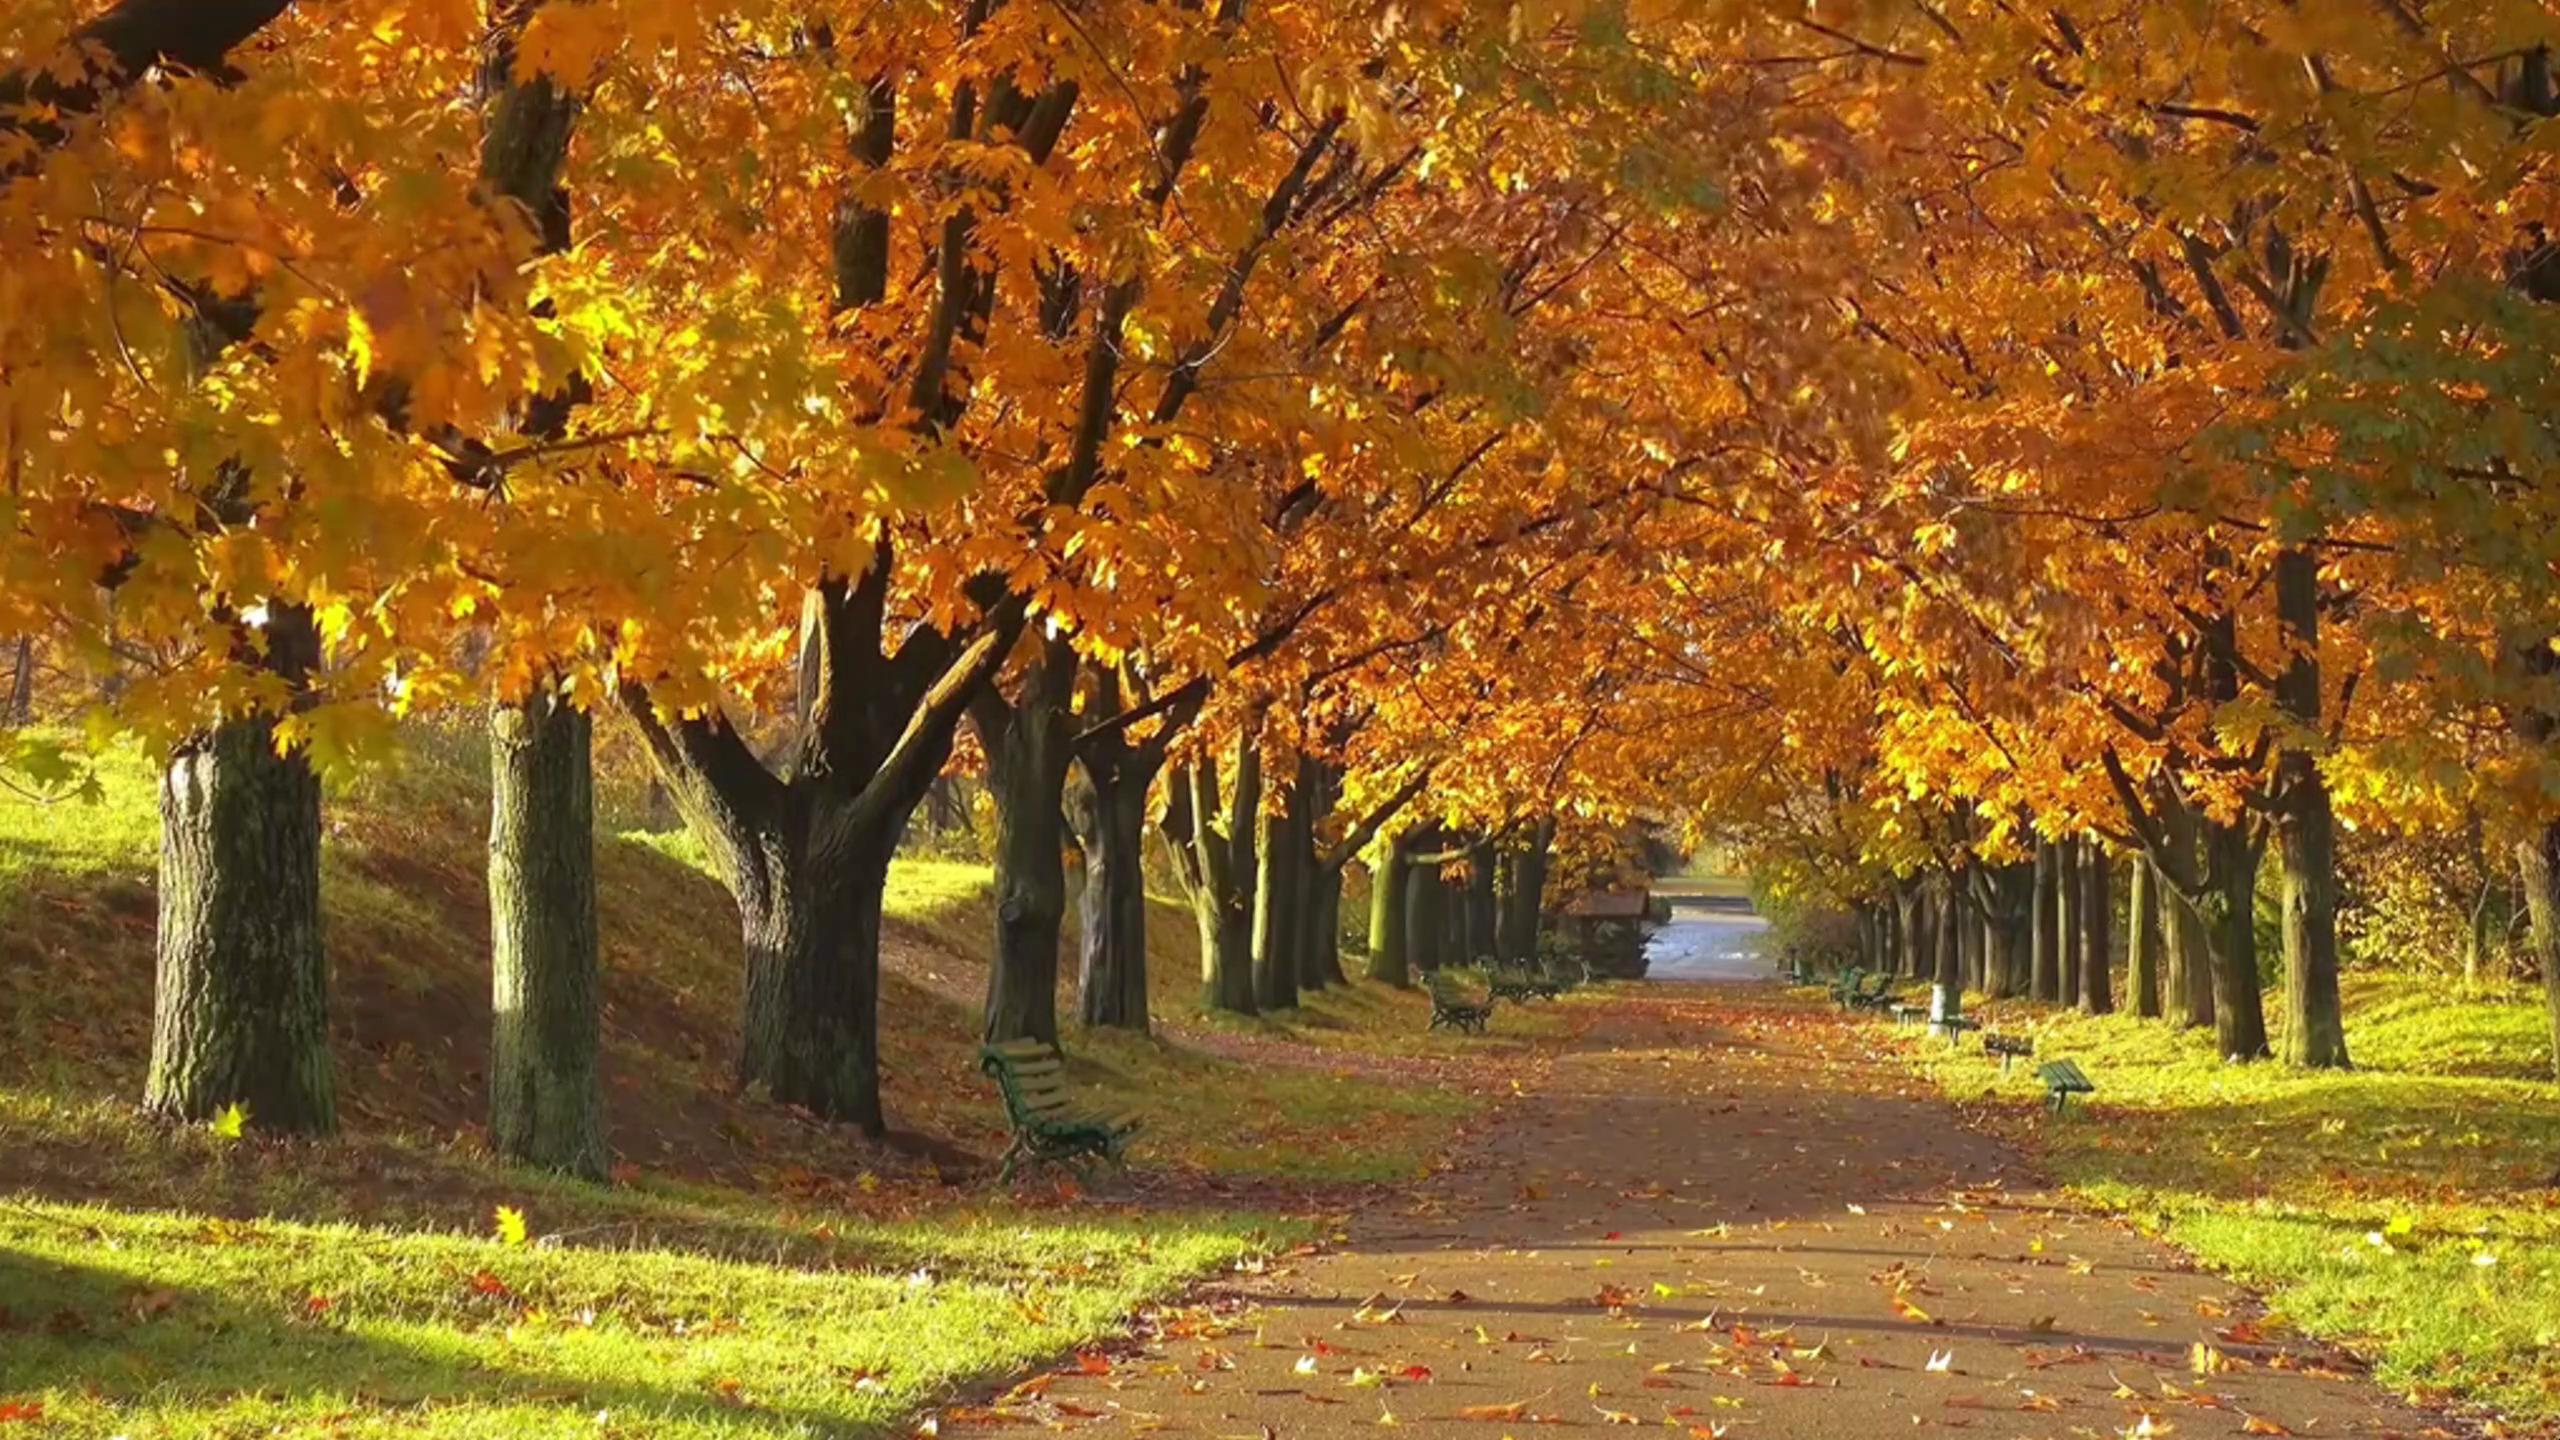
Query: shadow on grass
point(110, 1341)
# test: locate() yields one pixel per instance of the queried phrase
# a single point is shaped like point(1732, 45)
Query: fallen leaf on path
point(2261, 1425)
point(1616, 1417)
point(1515, 1410)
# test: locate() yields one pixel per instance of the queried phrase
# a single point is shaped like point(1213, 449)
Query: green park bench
point(1845, 984)
point(1799, 973)
point(2008, 1047)
point(1561, 975)
point(1516, 984)
point(2062, 1080)
point(1452, 1010)
point(1876, 998)
point(1046, 1125)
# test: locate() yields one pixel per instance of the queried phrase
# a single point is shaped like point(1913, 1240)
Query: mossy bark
point(2186, 957)
point(2231, 936)
point(1278, 904)
point(2143, 915)
point(1389, 884)
point(546, 1102)
point(2315, 1035)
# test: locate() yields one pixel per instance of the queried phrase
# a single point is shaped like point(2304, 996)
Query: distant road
point(1710, 937)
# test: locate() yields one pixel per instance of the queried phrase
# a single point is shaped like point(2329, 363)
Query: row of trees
point(1164, 393)
point(1913, 436)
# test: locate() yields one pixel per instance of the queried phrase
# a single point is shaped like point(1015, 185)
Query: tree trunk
point(2240, 1021)
point(1111, 987)
point(1425, 903)
point(2097, 923)
point(1529, 890)
point(1390, 885)
point(2069, 899)
point(2142, 939)
point(21, 707)
point(1481, 915)
point(241, 1012)
point(2540, 862)
point(2186, 974)
point(1916, 951)
point(812, 929)
point(1318, 955)
point(1223, 900)
point(1277, 904)
point(1972, 964)
point(1029, 747)
point(1947, 976)
point(2315, 1033)
point(2046, 982)
point(1888, 935)
point(1324, 938)
point(546, 1100)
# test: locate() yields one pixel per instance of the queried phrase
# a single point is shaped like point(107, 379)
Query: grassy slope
point(752, 1274)
point(2406, 1208)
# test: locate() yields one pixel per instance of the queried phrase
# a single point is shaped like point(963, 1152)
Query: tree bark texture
point(240, 1013)
point(546, 1097)
point(2315, 1035)
point(2097, 924)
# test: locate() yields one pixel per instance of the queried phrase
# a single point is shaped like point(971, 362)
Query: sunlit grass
point(2405, 1207)
point(166, 1324)
point(748, 1274)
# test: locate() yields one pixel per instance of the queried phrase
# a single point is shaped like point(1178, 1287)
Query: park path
point(1715, 1210)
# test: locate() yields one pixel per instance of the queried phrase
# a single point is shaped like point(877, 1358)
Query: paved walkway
point(1715, 1213)
point(1704, 943)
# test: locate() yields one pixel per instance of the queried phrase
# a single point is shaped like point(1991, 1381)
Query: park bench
point(1953, 1027)
point(1876, 999)
point(1045, 1124)
point(1452, 1009)
point(2008, 1047)
point(1561, 975)
point(2062, 1080)
point(1517, 984)
point(1908, 1015)
point(1845, 984)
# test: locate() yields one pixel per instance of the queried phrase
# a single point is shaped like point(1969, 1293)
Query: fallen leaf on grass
point(20, 1410)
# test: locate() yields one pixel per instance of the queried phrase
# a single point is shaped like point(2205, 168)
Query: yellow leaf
point(228, 1125)
point(510, 1225)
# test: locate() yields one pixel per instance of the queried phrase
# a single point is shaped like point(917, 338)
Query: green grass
point(172, 1325)
point(750, 1272)
point(2403, 1208)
